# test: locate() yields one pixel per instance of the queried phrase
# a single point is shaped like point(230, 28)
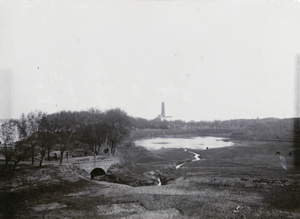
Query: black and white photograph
point(149, 109)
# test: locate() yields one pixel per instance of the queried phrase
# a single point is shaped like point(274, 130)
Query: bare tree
point(20, 151)
point(45, 140)
point(9, 135)
point(63, 124)
point(27, 126)
point(117, 126)
point(91, 130)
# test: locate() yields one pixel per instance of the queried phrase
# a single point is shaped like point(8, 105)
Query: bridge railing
point(91, 159)
point(81, 160)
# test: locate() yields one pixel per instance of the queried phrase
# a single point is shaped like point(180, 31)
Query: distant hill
point(269, 128)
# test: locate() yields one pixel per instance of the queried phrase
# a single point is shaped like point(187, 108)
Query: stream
point(187, 143)
point(189, 146)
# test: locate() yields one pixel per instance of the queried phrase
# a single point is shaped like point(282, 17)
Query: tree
point(45, 140)
point(20, 151)
point(87, 135)
point(101, 134)
point(28, 125)
point(46, 137)
point(63, 124)
point(117, 124)
point(140, 123)
point(91, 129)
point(9, 135)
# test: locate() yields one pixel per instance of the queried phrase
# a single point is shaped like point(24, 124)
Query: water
point(159, 182)
point(191, 143)
point(196, 156)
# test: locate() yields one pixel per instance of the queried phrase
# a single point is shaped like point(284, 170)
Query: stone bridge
point(95, 166)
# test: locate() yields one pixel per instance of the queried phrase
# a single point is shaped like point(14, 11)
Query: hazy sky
point(205, 59)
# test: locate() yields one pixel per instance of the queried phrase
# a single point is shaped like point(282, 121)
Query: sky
point(207, 60)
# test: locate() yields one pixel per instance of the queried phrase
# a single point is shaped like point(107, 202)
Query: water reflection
point(192, 143)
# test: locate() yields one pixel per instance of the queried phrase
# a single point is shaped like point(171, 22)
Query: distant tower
point(163, 110)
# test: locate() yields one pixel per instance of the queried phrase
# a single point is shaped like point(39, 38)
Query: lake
point(191, 143)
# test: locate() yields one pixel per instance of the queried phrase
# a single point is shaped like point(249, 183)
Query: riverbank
point(242, 181)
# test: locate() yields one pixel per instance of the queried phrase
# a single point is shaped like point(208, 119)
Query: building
point(162, 116)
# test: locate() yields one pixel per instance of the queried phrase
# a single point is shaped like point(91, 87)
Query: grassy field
point(242, 181)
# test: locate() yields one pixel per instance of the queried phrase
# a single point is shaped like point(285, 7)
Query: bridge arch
point(97, 172)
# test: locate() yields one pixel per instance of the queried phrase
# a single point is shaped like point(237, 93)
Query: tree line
point(39, 132)
point(252, 128)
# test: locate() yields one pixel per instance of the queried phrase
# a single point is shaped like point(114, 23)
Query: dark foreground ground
point(243, 181)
